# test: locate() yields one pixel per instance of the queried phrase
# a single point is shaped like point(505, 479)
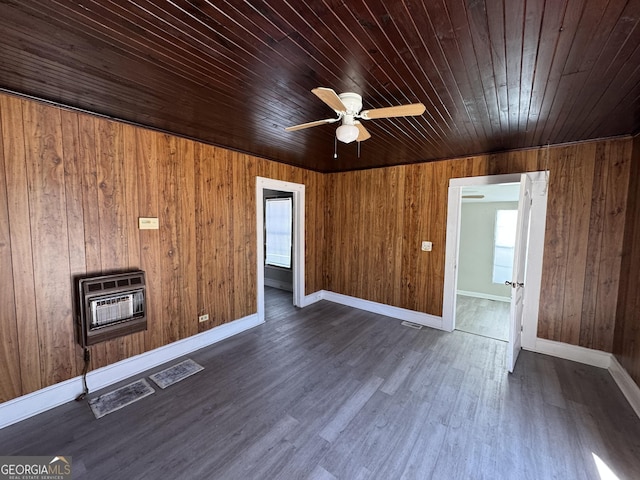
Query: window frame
point(267, 261)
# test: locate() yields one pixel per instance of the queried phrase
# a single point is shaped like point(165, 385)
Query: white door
point(519, 269)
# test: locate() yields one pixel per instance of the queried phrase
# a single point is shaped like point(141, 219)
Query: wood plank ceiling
point(493, 74)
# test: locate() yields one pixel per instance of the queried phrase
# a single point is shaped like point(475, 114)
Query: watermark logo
point(35, 468)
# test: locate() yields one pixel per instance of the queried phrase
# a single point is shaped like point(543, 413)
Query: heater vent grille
point(111, 306)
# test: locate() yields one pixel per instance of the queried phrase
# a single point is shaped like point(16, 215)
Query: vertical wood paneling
point(188, 321)
point(555, 249)
point(150, 261)
point(581, 268)
point(19, 228)
point(10, 383)
point(111, 213)
point(314, 232)
point(74, 174)
point(134, 343)
point(168, 168)
point(362, 253)
point(88, 155)
point(45, 175)
point(215, 217)
point(596, 234)
point(627, 329)
point(580, 165)
point(609, 268)
point(75, 192)
point(414, 266)
point(244, 233)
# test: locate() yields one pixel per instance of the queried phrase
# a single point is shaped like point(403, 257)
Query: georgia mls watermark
point(35, 468)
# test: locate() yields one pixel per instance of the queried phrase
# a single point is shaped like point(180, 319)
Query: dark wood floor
point(332, 392)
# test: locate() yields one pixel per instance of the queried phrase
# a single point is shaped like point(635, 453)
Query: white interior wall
point(475, 261)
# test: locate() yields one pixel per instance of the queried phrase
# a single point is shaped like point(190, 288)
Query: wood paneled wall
point(627, 331)
point(583, 243)
point(72, 187)
point(377, 219)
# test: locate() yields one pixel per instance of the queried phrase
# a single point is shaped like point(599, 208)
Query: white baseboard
point(586, 356)
point(270, 282)
point(486, 296)
point(595, 358)
point(629, 388)
point(47, 398)
point(311, 299)
point(382, 309)
point(31, 404)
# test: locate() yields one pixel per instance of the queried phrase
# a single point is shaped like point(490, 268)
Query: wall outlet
point(203, 318)
point(426, 246)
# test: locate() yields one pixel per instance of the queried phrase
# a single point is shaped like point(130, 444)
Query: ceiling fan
point(347, 106)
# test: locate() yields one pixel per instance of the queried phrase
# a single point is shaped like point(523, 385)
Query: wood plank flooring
point(481, 316)
point(330, 392)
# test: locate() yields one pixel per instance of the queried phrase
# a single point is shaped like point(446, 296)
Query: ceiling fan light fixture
point(347, 133)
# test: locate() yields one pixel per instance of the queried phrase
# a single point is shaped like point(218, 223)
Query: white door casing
point(533, 271)
point(298, 191)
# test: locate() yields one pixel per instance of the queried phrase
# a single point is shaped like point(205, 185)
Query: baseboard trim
point(486, 296)
point(270, 282)
point(382, 309)
point(595, 358)
point(311, 299)
point(629, 388)
point(26, 406)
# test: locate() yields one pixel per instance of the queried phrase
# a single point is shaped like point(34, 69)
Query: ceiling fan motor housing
point(352, 102)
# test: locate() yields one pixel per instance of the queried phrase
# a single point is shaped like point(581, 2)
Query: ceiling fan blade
point(399, 111)
point(330, 97)
point(311, 124)
point(364, 133)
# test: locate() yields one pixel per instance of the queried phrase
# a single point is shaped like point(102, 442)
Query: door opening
point(488, 219)
point(282, 265)
point(528, 249)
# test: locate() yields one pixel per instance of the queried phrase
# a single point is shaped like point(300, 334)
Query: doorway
point(524, 305)
point(293, 276)
point(488, 219)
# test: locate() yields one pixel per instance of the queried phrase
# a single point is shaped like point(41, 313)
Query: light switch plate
point(148, 223)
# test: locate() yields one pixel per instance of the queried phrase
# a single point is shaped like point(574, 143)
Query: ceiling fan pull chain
point(359, 149)
point(335, 147)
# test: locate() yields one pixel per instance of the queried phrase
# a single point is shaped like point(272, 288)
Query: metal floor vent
point(417, 326)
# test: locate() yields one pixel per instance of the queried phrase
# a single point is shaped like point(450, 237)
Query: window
point(278, 232)
point(504, 245)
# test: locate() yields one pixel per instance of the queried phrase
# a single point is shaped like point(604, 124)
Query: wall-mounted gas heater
point(110, 306)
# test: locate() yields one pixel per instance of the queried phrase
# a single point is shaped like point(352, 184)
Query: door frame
point(297, 190)
point(533, 277)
